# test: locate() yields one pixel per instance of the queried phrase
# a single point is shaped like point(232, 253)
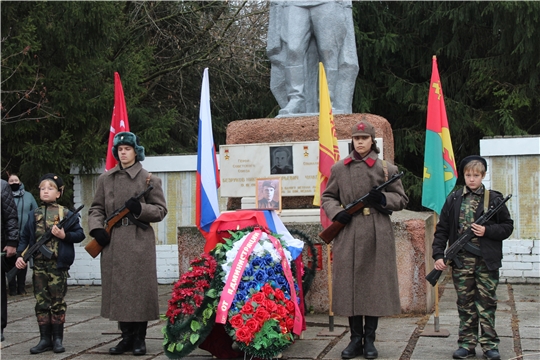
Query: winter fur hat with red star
point(127, 138)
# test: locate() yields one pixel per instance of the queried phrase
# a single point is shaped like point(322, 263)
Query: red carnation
point(269, 305)
point(258, 297)
point(244, 335)
point(290, 306)
point(261, 315)
point(282, 311)
point(253, 325)
point(237, 321)
point(267, 289)
point(290, 323)
point(247, 308)
point(279, 295)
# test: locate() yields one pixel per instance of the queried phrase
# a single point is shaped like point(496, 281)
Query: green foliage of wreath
point(187, 332)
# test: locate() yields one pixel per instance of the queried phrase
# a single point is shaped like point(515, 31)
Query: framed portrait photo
point(281, 160)
point(268, 196)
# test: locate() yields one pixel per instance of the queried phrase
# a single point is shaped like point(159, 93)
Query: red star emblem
point(361, 126)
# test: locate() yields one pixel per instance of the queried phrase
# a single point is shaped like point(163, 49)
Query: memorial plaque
point(296, 163)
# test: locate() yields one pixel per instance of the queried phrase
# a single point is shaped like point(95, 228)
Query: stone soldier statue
point(300, 35)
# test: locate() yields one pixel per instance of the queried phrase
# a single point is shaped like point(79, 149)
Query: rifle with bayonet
point(463, 242)
point(93, 248)
point(328, 234)
point(30, 251)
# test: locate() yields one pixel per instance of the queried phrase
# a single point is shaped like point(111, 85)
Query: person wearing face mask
point(364, 252)
point(25, 203)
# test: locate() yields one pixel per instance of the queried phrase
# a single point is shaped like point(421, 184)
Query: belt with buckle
point(124, 222)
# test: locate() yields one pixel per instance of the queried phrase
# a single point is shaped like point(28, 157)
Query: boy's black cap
point(54, 178)
point(470, 158)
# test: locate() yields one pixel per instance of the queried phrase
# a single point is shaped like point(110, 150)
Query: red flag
point(119, 121)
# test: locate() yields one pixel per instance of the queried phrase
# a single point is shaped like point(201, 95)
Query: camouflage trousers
point(50, 288)
point(476, 302)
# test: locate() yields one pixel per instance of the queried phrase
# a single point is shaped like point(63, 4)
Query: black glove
point(101, 236)
point(343, 217)
point(134, 206)
point(376, 197)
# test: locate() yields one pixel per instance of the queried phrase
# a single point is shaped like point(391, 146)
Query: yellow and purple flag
point(440, 173)
point(328, 145)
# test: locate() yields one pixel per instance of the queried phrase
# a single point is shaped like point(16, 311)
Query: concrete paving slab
point(526, 292)
point(529, 331)
point(314, 332)
point(306, 349)
point(88, 336)
point(532, 345)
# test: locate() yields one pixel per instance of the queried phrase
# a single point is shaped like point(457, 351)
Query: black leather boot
point(58, 337)
point(139, 346)
point(369, 337)
point(45, 342)
point(354, 348)
point(126, 344)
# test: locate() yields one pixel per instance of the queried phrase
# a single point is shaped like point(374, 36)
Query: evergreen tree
point(488, 62)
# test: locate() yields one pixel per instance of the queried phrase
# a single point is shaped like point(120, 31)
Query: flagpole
point(440, 173)
point(437, 332)
point(330, 312)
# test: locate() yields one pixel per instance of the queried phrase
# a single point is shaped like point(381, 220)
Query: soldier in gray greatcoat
point(364, 252)
point(128, 260)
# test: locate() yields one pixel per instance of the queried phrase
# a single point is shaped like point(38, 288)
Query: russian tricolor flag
point(207, 170)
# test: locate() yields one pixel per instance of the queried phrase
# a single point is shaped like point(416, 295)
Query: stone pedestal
point(305, 128)
point(414, 235)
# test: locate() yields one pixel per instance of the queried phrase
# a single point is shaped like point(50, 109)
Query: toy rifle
point(30, 251)
point(463, 242)
point(328, 234)
point(93, 247)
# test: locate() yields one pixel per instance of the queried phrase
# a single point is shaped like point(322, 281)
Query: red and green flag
point(440, 172)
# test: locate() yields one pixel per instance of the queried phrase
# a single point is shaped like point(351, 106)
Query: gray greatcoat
point(128, 264)
point(364, 273)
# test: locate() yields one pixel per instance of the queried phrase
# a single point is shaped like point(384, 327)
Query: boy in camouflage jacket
point(50, 275)
point(476, 282)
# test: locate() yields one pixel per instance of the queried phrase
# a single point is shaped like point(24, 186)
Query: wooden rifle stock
point(93, 248)
point(328, 234)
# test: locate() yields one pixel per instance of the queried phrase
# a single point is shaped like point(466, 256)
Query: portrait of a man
point(281, 160)
point(267, 198)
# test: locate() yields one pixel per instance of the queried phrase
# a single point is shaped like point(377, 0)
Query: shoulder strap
point(486, 200)
point(60, 212)
point(385, 169)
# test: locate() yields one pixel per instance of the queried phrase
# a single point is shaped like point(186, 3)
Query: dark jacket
point(66, 250)
point(498, 228)
point(25, 203)
point(10, 221)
